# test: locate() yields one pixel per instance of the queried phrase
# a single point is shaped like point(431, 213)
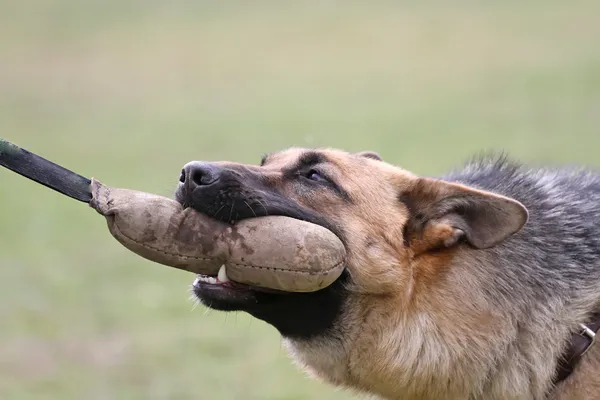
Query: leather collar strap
point(44, 172)
point(581, 342)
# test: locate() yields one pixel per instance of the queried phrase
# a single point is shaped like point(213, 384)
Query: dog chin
point(294, 315)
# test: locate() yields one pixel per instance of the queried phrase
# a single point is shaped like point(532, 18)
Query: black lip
point(224, 297)
point(234, 296)
point(236, 286)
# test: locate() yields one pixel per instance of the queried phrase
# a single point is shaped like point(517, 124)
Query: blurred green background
point(128, 92)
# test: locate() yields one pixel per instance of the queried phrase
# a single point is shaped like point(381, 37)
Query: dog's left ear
point(370, 154)
point(442, 214)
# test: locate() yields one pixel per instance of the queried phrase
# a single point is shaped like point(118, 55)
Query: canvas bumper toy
point(272, 252)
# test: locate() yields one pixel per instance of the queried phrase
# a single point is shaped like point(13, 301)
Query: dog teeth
point(205, 279)
point(222, 277)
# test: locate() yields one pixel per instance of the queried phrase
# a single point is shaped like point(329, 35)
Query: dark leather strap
point(44, 172)
point(581, 342)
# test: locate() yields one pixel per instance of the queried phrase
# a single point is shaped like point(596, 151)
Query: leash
point(44, 172)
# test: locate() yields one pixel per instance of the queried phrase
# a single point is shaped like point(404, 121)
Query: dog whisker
point(250, 208)
point(231, 213)
point(218, 211)
point(263, 206)
point(194, 299)
point(208, 310)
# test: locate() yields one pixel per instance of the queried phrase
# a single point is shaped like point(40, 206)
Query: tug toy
point(272, 252)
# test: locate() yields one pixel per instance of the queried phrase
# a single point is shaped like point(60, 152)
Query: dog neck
point(334, 359)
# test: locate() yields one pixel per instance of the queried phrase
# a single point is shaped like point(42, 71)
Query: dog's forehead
point(292, 156)
point(283, 157)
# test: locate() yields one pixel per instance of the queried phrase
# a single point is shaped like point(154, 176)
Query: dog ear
point(442, 214)
point(370, 154)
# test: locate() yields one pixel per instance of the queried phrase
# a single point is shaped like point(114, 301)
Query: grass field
point(128, 92)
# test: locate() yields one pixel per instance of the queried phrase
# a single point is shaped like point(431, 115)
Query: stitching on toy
point(108, 199)
point(336, 265)
point(289, 270)
point(103, 208)
point(95, 201)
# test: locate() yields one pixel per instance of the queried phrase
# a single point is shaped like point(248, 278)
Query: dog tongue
point(272, 252)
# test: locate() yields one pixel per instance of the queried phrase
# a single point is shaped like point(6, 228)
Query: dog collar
point(581, 342)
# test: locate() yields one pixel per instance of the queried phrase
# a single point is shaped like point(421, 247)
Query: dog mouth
point(221, 293)
point(293, 314)
point(232, 200)
point(222, 282)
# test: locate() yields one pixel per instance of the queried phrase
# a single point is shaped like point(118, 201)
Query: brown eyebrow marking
point(306, 160)
point(311, 158)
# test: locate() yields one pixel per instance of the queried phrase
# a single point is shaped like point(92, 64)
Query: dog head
point(400, 231)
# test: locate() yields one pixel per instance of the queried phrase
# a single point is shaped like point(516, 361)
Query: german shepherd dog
point(466, 286)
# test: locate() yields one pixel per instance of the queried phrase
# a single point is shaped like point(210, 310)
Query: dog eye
point(314, 175)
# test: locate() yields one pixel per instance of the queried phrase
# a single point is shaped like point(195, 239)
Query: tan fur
point(406, 330)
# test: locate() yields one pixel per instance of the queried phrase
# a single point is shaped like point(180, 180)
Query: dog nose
point(197, 173)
